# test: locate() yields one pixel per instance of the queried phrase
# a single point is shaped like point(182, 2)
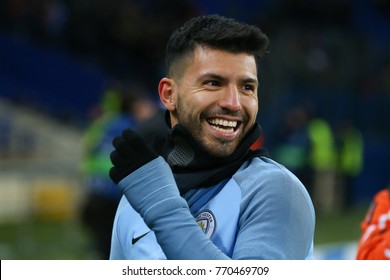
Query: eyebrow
point(214, 76)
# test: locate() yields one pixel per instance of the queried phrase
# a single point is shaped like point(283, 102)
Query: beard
point(216, 147)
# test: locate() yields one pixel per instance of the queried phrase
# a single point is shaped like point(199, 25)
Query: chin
point(218, 148)
point(220, 152)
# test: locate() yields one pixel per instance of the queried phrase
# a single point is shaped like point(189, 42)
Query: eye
point(249, 87)
point(213, 83)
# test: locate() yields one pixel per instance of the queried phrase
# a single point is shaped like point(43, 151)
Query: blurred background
point(73, 73)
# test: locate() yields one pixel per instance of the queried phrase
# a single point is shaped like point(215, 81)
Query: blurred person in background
point(306, 146)
point(323, 160)
point(350, 147)
point(122, 107)
point(374, 243)
point(292, 144)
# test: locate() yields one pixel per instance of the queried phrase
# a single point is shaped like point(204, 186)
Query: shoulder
point(263, 180)
point(262, 172)
point(275, 206)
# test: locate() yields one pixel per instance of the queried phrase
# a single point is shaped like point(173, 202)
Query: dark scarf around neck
point(193, 167)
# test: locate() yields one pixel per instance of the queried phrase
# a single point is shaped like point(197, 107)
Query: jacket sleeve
point(277, 220)
point(152, 192)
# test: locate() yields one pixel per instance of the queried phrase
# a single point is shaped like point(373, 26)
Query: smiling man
point(215, 98)
point(201, 192)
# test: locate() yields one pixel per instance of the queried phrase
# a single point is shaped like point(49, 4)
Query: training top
point(262, 212)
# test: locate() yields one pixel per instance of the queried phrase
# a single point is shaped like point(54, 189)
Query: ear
point(166, 92)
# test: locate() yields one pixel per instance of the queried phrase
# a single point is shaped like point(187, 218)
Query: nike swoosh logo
point(136, 239)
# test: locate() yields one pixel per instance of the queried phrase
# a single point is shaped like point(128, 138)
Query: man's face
point(216, 99)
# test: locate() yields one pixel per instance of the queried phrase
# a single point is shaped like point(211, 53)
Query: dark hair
point(217, 32)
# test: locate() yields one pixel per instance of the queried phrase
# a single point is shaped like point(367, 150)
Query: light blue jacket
point(262, 212)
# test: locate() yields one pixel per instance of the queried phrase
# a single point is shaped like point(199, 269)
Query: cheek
point(187, 109)
point(251, 107)
point(198, 102)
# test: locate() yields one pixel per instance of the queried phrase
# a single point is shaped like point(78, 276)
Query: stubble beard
point(215, 147)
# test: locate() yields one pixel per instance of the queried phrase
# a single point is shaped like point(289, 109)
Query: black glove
point(131, 152)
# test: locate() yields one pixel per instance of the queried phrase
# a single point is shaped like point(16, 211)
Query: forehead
point(206, 59)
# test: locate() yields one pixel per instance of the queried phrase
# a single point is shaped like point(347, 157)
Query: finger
point(115, 174)
point(132, 138)
point(117, 159)
point(124, 147)
point(118, 141)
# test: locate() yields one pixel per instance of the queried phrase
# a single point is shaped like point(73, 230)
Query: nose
point(230, 99)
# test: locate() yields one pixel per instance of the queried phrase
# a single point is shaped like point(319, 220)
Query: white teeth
point(226, 123)
point(223, 130)
point(228, 126)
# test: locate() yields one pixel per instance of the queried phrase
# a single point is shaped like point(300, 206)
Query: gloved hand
point(131, 152)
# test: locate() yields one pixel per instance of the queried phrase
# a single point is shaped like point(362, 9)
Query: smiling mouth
point(224, 126)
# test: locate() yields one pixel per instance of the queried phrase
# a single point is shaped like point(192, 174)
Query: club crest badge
point(207, 223)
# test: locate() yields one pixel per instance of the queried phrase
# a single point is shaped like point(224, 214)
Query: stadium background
point(58, 57)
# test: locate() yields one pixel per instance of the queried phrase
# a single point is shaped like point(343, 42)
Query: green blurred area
point(340, 227)
point(68, 240)
point(45, 240)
